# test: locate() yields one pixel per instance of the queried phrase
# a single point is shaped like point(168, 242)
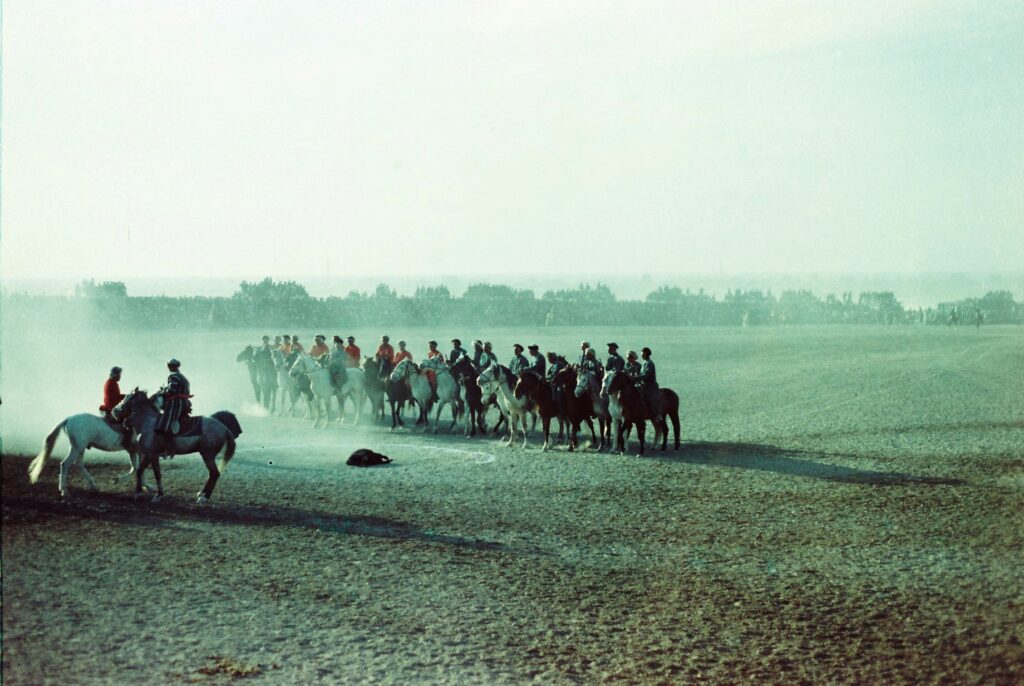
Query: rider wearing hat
point(539, 364)
point(648, 382)
point(518, 362)
point(176, 396)
point(615, 362)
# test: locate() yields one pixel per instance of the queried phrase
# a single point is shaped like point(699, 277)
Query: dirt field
point(846, 508)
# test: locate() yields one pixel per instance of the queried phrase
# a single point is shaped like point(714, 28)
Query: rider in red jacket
point(112, 394)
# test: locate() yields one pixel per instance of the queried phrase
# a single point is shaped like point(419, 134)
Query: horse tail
point(36, 468)
point(229, 452)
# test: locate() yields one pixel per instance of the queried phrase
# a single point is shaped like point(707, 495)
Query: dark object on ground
point(366, 458)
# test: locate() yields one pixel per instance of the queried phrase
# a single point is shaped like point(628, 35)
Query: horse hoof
point(157, 498)
point(137, 495)
point(201, 498)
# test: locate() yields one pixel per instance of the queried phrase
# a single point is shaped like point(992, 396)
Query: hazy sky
point(145, 138)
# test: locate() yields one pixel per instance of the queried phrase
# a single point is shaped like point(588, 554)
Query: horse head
point(528, 381)
point(584, 379)
point(245, 355)
point(615, 382)
point(404, 368)
point(129, 404)
point(606, 382)
point(302, 365)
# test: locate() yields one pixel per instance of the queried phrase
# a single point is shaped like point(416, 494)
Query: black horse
point(577, 409)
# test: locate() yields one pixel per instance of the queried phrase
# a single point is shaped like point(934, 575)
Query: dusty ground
point(846, 508)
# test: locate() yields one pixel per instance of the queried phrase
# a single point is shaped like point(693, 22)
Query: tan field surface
point(846, 507)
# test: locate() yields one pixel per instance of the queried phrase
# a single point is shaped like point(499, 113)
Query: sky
point(189, 139)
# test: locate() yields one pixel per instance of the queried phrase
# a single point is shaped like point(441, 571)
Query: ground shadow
point(771, 458)
point(125, 510)
point(914, 428)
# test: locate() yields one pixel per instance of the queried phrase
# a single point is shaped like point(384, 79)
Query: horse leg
point(85, 472)
point(155, 461)
point(593, 435)
point(437, 417)
point(74, 454)
point(455, 417)
point(621, 436)
point(210, 460)
point(143, 463)
point(675, 428)
point(641, 427)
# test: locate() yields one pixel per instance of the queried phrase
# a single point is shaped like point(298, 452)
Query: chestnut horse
point(531, 385)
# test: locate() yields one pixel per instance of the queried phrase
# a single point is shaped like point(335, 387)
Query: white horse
point(288, 385)
point(419, 385)
point(588, 384)
point(517, 409)
point(320, 384)
point(448, 391)
point(83, 431)
point(355, 387)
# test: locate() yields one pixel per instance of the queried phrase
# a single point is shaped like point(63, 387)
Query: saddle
point(114, 424)
point(187, 426)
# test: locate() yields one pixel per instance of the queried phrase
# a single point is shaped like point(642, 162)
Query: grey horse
point(209, 442)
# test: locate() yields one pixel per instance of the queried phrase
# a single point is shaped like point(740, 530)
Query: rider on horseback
point(539, 365)
point(385, 356)
point(518, 362)
point(337, 364)
point(648, 383)
point(177, 405)
point(112, 395)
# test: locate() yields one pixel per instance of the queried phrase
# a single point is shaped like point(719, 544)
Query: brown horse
point(669, 406)
point(631, 406)
point(465, 375)
point(577, 409)
point(532, 386)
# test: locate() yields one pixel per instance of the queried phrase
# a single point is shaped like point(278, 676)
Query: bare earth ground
point(846, 508)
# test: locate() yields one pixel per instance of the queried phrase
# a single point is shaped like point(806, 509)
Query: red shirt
point(112, 395)
point(402, 355)
point(386, 352)
point(352, 351)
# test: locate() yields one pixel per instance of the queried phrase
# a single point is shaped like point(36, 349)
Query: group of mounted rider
point(392, 374)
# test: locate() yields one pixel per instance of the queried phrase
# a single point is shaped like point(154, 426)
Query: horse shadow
point(172, 513)
point(770, 458)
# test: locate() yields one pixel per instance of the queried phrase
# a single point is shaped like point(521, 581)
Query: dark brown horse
point(531, 385)
point(374, 386)
point(577, 409)
point(465, 375)
point(669, 409)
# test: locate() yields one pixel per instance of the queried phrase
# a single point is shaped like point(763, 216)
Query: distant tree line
point(270, 303)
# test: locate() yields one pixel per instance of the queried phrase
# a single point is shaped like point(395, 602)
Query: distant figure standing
point(978, 317)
